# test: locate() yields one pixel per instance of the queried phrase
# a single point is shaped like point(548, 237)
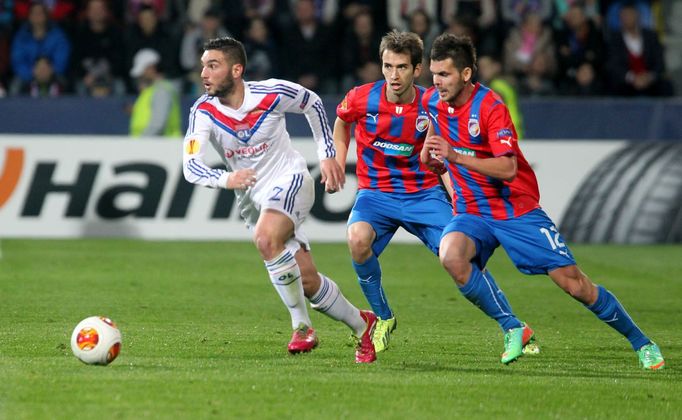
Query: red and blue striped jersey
point(389, 138)
point(483, 128)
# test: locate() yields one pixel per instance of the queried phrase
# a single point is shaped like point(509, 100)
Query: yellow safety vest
point(508, 94)
point(142, 111)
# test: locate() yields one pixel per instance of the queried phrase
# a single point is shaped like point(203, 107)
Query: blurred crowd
point(536, 47)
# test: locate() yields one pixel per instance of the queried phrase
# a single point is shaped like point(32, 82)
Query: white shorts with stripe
point(292, 195)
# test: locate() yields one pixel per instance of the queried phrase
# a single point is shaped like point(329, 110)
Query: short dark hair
point(233, 49)
point(403, 43)
point(457, 47)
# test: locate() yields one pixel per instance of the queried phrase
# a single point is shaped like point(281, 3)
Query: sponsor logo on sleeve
point(505, 136)
point(192, 147)
point(304, 102)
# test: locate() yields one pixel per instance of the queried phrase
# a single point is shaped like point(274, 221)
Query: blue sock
point(608, 309)
point(369, 277)
point(482, 291)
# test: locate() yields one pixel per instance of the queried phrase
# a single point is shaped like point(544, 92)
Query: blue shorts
point(531, 240)
point(424, 214)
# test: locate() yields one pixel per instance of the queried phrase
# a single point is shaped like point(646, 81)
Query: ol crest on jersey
point(243, 132)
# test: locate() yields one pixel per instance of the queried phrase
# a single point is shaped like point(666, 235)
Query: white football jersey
point(253, 136)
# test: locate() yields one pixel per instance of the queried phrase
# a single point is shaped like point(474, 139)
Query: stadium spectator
point(311, 40)
point(6, 21)
point(399, 12)
point(463, 26)
point(350, 8)
point(274, 189)
point(496, 200)
point(529, 54)
point(38, 37)
point(427, 30)
point(326, 11)
point(421, 24)
point(156, 111)
point(360, 63)
point(490, 74)
point(192, 44)
point(538, 79)
point(195, 10)
point(580, 54)
point(148, 33)
point(635, 63)
point(484, 11)
point(135, 7)
point(612, 14)
point(514, 12)
point(45, 83)
point(261, 50)
point(590, 9)
point(484, 18)
point(98, 59)
point(63, 12)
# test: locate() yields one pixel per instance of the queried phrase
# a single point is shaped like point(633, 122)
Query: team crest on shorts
point(422, 123)
point(474, 127)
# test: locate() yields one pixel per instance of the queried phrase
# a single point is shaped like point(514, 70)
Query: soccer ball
point(96, 341)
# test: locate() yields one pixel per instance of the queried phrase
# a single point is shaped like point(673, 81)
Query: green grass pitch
point(204, 336)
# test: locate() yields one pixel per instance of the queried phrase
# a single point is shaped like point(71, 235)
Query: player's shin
point(608, 309)
point(482, 291)
point(369, 278)
point(330, 301)
point(285, 276)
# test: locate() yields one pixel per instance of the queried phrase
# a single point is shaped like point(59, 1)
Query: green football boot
point(513, 345)
point(382, 333)
point(650, 357)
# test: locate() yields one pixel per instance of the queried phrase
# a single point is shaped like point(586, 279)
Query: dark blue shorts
point(424, 214)
point(531, 240)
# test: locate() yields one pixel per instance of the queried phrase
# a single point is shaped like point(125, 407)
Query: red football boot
point(364, 351)
point(303, 340)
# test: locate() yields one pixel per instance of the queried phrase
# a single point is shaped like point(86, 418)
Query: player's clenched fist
point(241, 179)
point(438, 148)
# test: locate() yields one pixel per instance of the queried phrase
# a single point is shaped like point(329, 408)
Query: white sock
point(330, 301)
point(286, 278)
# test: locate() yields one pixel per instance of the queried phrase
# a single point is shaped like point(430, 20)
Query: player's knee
point(268, 246)
point(575, 284)
point(458, 268)
point(360, 246)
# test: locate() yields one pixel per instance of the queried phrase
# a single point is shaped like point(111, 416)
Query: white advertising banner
point(91, 186)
